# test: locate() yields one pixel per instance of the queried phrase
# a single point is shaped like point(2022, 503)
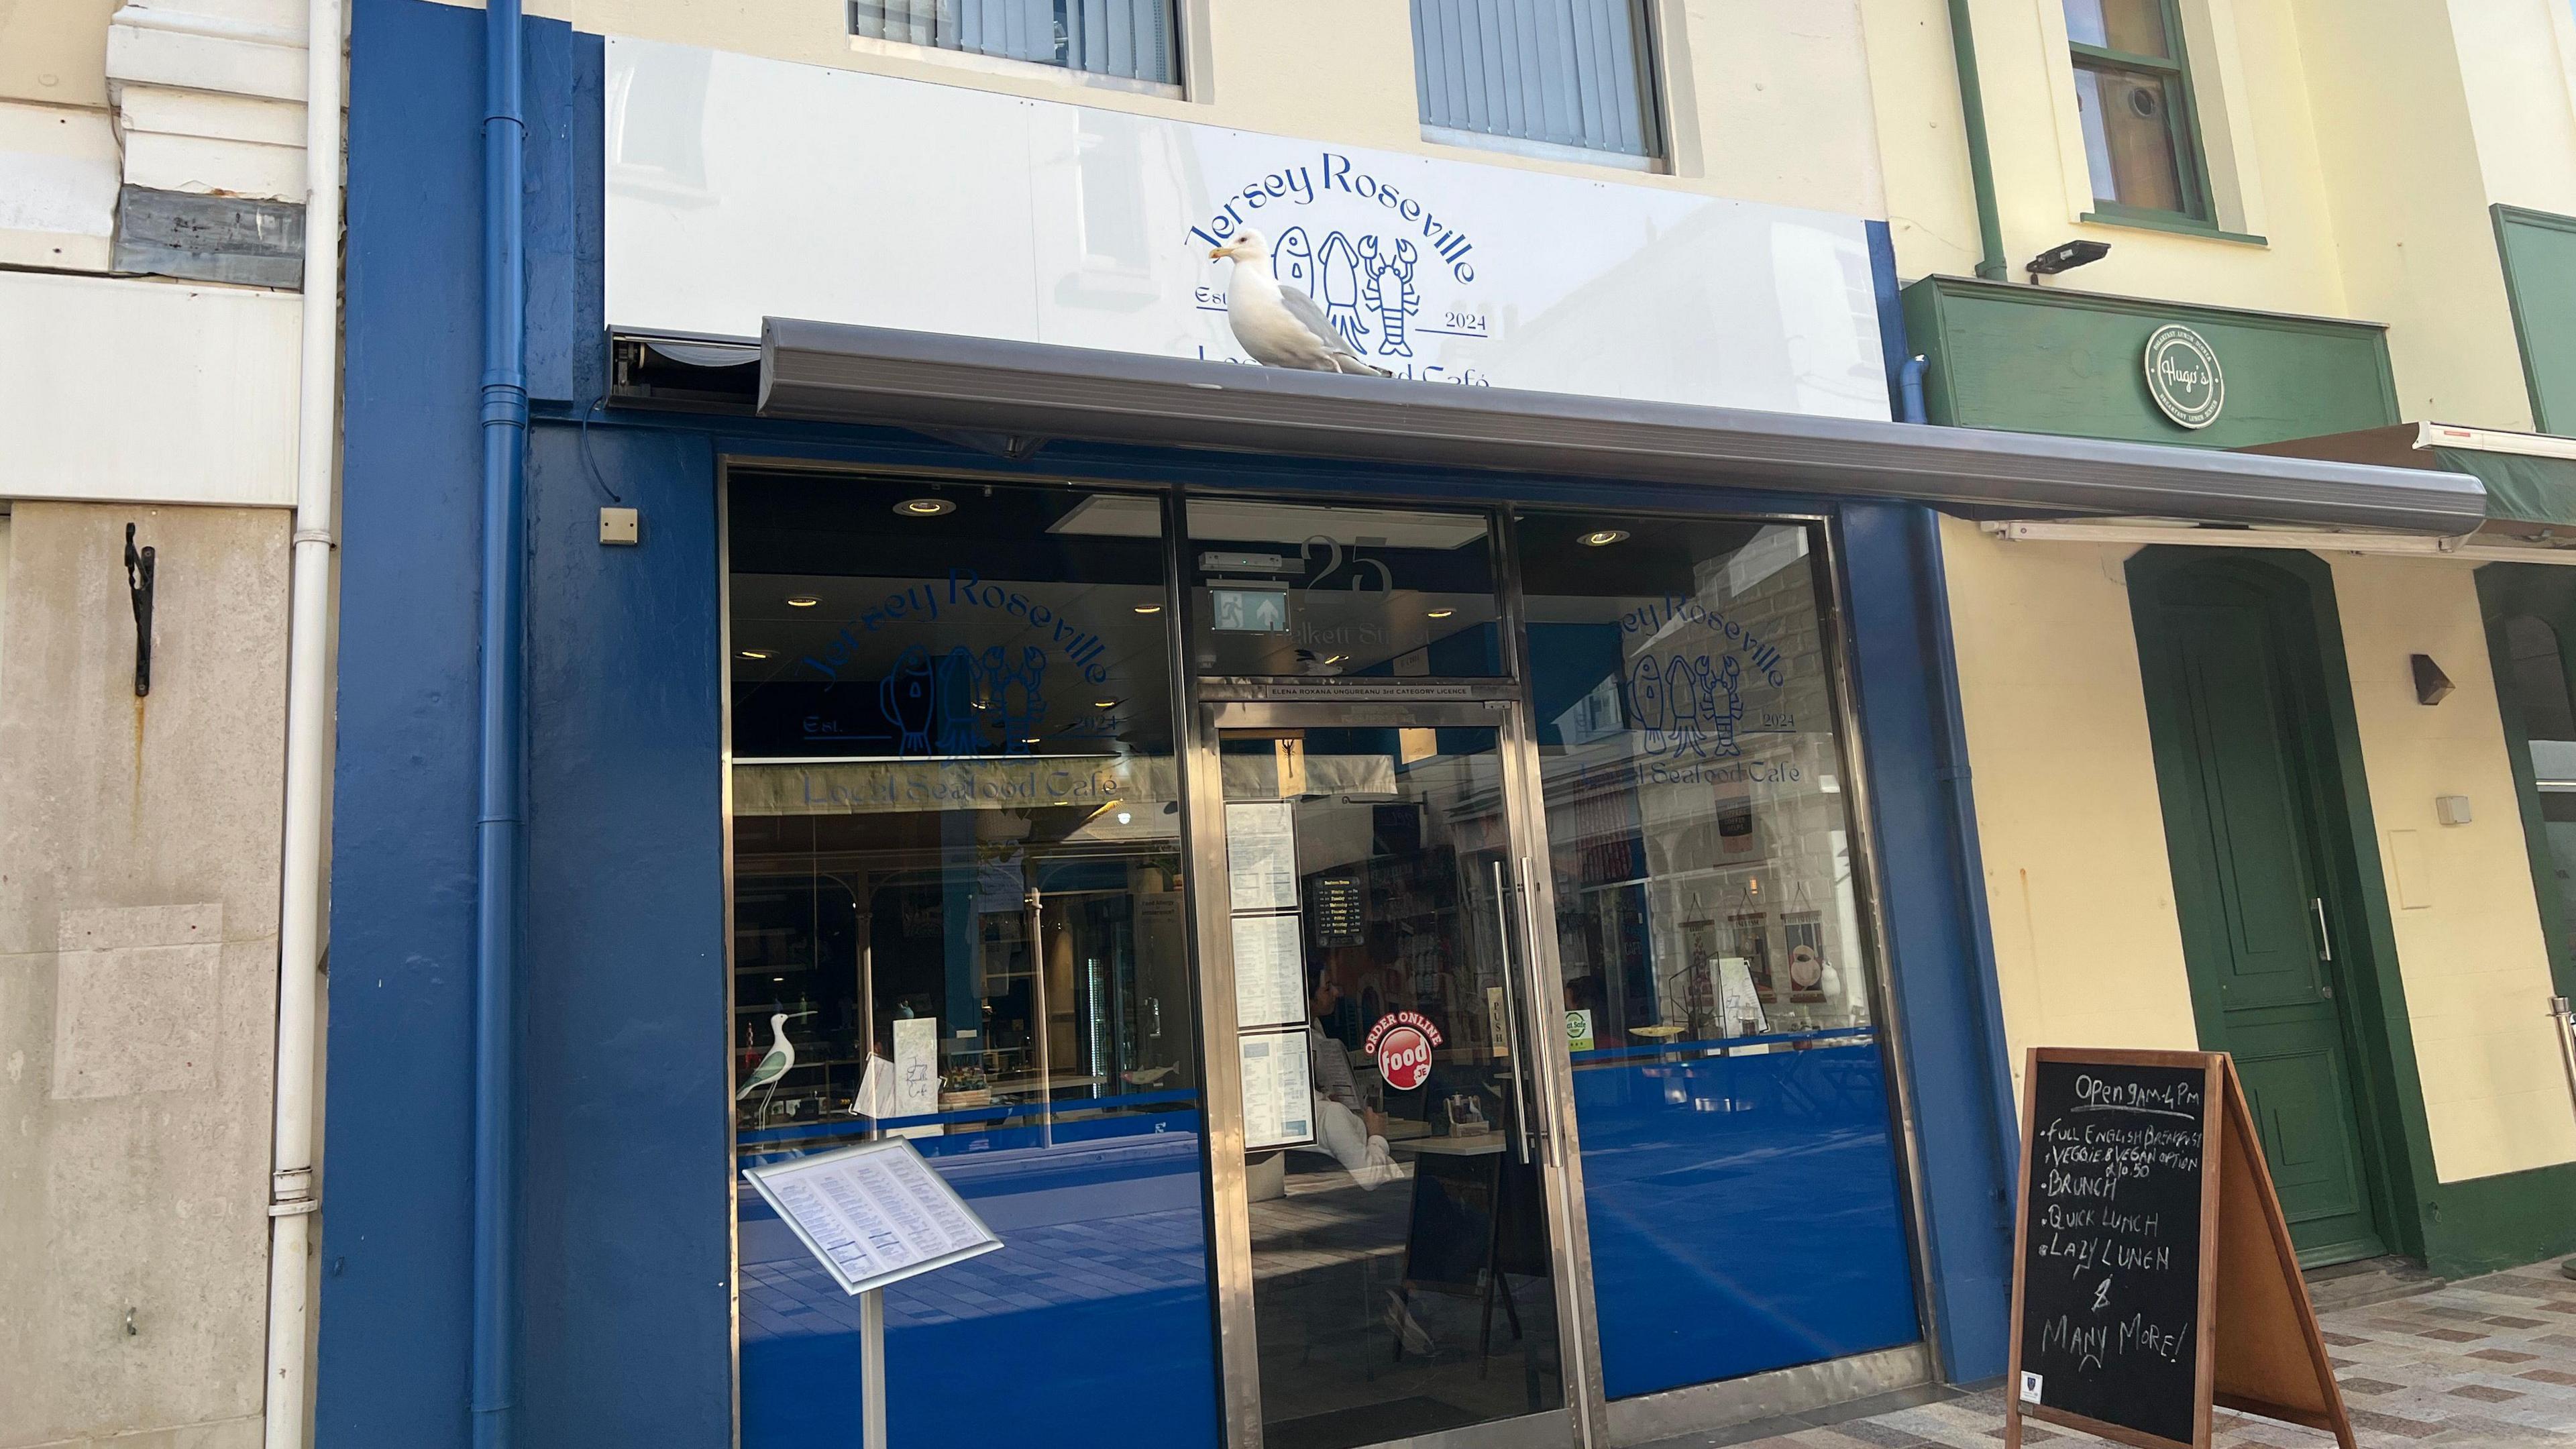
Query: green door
point(2230, 710)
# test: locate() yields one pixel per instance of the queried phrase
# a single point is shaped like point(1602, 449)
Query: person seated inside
point(1346, 1127)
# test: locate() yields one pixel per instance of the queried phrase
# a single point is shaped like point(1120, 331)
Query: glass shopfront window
point(1730, 1090)
point(957, 917)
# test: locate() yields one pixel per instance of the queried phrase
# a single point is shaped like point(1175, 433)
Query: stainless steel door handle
point(2325, 938)
point(1543, 1049)
point(1512, 1016)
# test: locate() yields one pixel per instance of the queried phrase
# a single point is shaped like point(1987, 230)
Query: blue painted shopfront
point(1097, 1326)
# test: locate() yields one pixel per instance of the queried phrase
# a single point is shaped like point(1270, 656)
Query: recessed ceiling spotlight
point(1602, 537)
point(1442, 613)
point(755, 654)
point(802, 601)
point(924, 507)
point(1104, 704)
point(1149, 608)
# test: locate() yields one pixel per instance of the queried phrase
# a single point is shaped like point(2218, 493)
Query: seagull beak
point(1220, 252)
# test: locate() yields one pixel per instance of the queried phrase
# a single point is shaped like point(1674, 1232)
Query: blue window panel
point(1129, 38)
point(1092, 1320)
point(1564, 72)
point(1745, 1213)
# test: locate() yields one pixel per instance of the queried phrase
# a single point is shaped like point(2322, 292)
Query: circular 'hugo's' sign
point(2183, 376)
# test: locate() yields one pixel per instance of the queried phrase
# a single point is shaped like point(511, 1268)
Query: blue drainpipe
point(498, 732)
point(1953, 770)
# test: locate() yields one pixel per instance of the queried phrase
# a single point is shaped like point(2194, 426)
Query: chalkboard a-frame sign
point(2152, 1270)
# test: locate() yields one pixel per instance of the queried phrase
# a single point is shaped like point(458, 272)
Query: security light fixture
point(2432, 686)
point(2066, 257)
point(1602, 537)
point(924, 507)
point(802, 601)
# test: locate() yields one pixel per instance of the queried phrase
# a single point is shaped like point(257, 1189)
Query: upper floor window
point(2134, 90)
point(1127, 38)
point(1570, 73)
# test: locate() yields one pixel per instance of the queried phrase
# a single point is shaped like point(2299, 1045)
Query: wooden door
point(2234, 722)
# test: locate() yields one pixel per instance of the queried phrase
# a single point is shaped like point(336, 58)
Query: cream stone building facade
point(2338, 162)
point(153, 295)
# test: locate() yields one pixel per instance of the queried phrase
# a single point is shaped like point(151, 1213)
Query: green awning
point(2520, 486)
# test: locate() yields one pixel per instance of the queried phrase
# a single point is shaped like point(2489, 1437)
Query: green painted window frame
point(2182, 126)
point(2526, 297)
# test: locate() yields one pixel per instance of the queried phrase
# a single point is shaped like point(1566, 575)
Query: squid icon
point(1338, 268)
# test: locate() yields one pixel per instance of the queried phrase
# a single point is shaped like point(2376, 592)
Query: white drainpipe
point(293, 1203)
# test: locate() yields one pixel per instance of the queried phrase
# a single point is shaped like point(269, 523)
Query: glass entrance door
point(1395, 1166)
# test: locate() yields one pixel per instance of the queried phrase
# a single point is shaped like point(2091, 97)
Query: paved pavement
point(2485, 1361)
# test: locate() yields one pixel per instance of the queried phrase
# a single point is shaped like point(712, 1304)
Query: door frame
point(1408, 703)
point(1196, 698)
point(2378, 1038)
point(2505, 591)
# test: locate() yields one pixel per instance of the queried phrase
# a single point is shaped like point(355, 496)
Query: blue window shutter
point(1566, 72)
point(1130, 38)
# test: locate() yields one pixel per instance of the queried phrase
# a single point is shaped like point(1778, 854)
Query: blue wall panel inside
point(1745, 1213)
point(1092, 1322)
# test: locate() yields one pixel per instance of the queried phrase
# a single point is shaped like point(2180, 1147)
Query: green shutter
point(2539, 251)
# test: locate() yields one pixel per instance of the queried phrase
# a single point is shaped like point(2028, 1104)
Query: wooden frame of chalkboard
point(2104, 1134)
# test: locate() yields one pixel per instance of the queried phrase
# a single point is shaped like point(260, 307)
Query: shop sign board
point(741, 188)
point(2184, 377)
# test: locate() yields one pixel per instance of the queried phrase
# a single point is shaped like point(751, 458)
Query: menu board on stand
point(873, 1215)
point(2152, 1269)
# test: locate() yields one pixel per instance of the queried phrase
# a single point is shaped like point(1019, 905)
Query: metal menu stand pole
point(872, 1378)
point(872, 1417)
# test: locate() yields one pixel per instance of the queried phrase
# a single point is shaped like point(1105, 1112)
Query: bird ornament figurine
point(777, 1064)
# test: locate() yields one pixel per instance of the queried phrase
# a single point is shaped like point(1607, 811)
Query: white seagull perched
point(1279, 325)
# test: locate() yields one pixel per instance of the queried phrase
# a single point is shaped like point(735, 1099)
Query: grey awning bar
point(834, 372)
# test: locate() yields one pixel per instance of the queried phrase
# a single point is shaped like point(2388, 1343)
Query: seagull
point(780, 1061)
point(1279, 325)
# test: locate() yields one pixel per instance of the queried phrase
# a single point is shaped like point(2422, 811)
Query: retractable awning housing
point(1028, 391)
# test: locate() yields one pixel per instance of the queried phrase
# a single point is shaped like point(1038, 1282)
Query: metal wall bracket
point(290, 1193)
point(138, 585)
